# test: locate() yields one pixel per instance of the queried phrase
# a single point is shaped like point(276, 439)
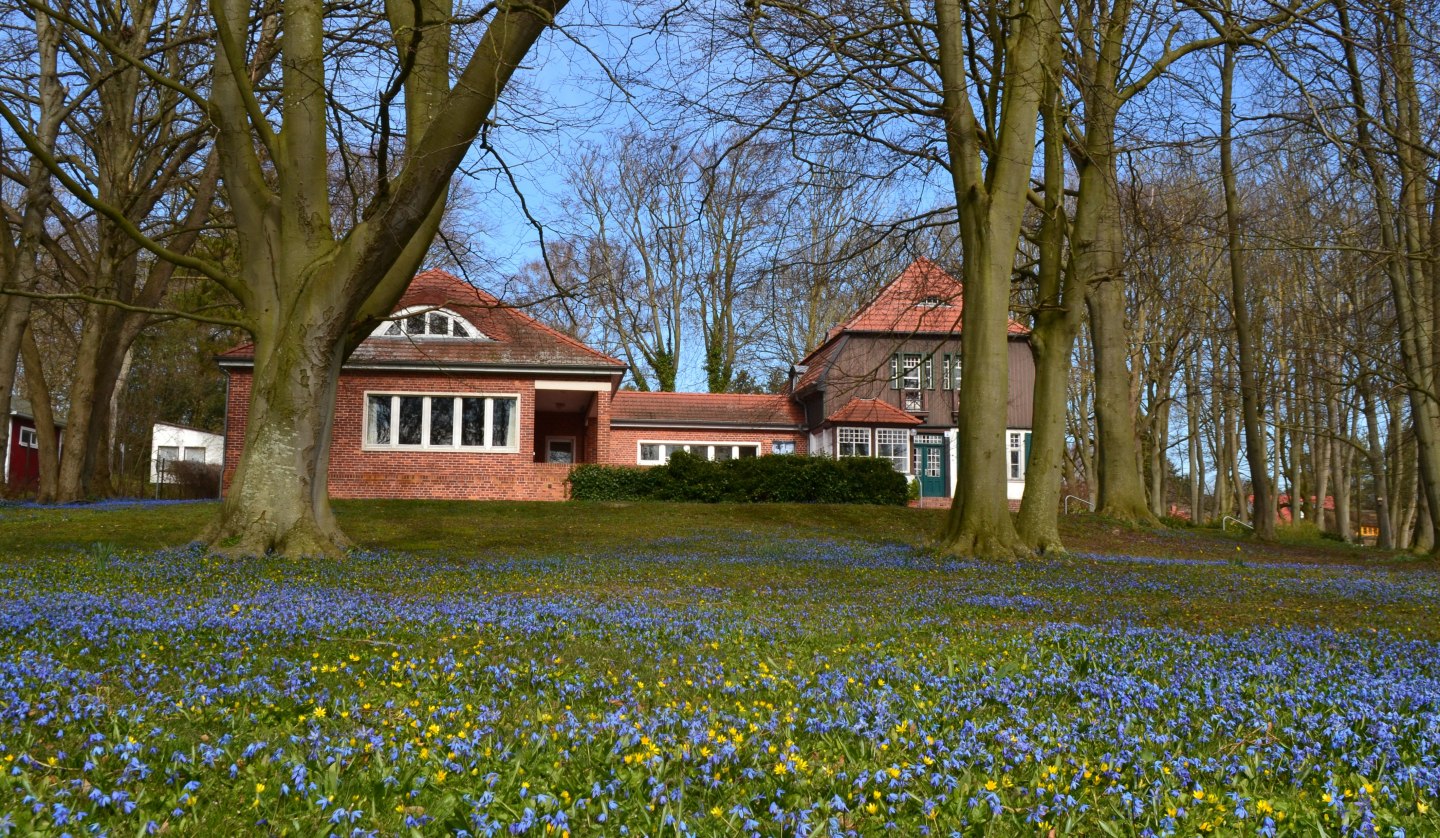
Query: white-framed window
point(166, 454)
point(893, 444)
point(453, 422)
point(914, 402)
point(29, 438)
point(655, 453)
point(193, 454)
point(427, 322)
point(911, 378)
point(782, 446)
point(854, 442)
point(950, 371)
point(1017, 448)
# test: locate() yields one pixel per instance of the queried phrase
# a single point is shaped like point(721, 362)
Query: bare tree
point(308, 294)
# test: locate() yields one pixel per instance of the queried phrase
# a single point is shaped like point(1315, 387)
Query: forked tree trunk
point(991, 205)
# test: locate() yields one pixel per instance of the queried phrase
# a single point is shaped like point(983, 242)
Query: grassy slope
point(504, 528)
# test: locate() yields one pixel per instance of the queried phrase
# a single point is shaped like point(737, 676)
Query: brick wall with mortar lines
point(625, 442)
point(458, 475)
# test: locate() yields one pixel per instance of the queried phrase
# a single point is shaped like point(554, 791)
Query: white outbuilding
point(171, 443)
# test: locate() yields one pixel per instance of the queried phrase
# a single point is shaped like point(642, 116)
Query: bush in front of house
point(596, 482)
point(770, 479)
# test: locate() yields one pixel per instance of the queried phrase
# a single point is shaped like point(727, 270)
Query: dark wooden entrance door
point(932, 465)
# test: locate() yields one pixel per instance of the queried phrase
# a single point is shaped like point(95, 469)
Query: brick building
point(461, 396)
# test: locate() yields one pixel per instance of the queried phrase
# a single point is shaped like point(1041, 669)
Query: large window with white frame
point(853, 442)
point(448, 422)
point(657, 452)
point(893, 444)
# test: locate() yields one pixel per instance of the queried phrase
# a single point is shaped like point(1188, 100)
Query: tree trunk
point(1197, 462)
point(1250, 397)
point(278, 499)
point(991, 205)
point(1340, 453)
point(1057, 318)
point(1375, 454)
point(1122, 490)
point(18, 258)
point(47, 439)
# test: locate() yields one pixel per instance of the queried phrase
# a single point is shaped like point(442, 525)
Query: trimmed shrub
point(596, 482)
point(770, 479)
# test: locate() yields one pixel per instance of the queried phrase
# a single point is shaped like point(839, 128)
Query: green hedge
point(773, 479)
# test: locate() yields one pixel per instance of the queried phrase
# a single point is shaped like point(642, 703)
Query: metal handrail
point(1228, 518)
point(1068, 498)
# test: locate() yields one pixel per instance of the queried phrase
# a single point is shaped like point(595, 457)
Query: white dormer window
point(426, 322)
point(932, 302)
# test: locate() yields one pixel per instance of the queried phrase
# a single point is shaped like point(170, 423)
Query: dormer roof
point(504, 336)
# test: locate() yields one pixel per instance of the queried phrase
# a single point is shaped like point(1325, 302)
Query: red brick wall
point(460, 475)
point(357, 473)
point(563, 424)
point(625, 441)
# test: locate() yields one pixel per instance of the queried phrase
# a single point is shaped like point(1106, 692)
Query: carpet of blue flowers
point(716, 686)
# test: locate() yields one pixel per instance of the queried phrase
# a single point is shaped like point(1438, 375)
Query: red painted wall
point(24, 462)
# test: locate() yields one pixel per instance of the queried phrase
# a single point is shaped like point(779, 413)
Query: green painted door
point(932, 465)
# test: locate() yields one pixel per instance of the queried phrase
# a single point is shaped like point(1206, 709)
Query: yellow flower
point(1199, 794)
point(1422, 807)
point(259, 788)
point(715, 811)
point(319, 713)
point(991, 786)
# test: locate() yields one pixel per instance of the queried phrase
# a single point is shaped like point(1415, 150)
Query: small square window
point(29, 438)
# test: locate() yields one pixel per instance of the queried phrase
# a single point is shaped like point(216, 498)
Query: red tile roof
point(871, 412)
point(511, 337)
point(706, 408)
point(922, 300)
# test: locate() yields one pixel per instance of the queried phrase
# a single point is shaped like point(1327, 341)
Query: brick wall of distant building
point(459, 475)
point(625, 442)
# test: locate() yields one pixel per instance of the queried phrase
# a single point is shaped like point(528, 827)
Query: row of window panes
point(171, 453)
point(891, 444)
point(913, 371)
point(657, 453)
point(428, 324)
point(477, 422)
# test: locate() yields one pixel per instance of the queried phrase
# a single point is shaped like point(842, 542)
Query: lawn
point(650, 669)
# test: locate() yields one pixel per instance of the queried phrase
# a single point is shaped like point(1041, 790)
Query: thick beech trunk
point(278, 499)
point(991, 206)
point(1122, 489)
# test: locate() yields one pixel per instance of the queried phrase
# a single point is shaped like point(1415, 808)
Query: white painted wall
point(187, 444)
point(1014, 489)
